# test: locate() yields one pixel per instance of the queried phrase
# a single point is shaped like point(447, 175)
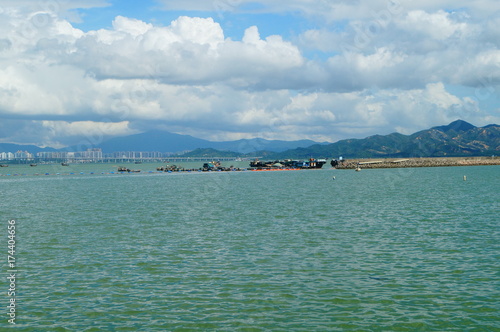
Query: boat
point(64, 164)
point(33, 165)
point(128, 170)
point(4, 165)
point(170, 168)
point(215, 166)
point(211, 166)
point(312, 163)
point(262, 164)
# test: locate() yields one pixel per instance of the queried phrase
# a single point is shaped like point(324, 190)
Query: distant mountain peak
point(164, 141)
point(459, 138)
point(458, 125)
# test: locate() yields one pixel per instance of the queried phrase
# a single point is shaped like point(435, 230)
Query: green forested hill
point(459, 138)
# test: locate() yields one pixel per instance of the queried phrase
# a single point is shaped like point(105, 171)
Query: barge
point(312, 163)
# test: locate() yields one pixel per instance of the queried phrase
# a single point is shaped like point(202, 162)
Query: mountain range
point(459, 138)
point(11, 147)
point(164, 141)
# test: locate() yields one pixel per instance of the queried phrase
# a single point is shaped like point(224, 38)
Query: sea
point(413, 249)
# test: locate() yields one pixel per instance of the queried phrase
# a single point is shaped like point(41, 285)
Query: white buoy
point(333, 178)
point(465, 178)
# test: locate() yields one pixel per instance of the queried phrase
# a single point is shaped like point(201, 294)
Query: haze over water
point(376, 250)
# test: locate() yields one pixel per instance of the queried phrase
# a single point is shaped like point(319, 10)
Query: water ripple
point(263, 251)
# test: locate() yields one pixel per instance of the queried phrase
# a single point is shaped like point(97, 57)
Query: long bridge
point(126, 160)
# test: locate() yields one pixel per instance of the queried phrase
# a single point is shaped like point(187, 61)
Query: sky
point(80, 72)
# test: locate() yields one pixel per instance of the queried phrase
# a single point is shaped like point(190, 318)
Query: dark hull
point(295, 164)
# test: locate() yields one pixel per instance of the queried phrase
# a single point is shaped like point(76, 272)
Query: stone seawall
point(417, 162)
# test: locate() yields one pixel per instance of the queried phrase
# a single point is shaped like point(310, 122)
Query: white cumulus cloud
point(387, 67)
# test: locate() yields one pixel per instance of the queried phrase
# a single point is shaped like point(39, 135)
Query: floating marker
point(465, 178)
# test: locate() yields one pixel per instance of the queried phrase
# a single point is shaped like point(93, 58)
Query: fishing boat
point(128, 170)
point(312, 163)
point(170, 168)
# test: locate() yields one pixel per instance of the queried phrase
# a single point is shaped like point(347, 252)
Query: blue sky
point(102, 17)
point(74, 70)
point(234, 24)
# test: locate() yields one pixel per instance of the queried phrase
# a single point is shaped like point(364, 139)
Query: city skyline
point(88, 155)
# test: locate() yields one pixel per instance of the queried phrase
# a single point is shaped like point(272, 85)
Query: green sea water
point(312, 250)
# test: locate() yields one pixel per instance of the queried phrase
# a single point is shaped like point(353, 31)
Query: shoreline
point(373, 163)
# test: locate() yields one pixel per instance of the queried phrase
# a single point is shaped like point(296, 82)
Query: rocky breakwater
point(417, 162)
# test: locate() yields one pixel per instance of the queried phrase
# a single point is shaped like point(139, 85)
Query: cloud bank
point(389, 66)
